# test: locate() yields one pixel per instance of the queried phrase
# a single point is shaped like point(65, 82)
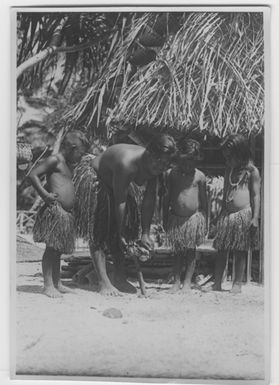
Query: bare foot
point(175, 288)
point(186, 289)
point(236, 289)
point(64, 289)
point(52, 292)
point(109, 290)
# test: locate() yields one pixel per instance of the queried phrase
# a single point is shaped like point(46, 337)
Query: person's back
point(118, 158)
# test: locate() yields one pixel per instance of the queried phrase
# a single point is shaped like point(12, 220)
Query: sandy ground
point(201, 335)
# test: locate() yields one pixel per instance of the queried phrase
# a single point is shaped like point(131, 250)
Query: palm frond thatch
point(84, 40)
point(116, 68)
point(210, 74)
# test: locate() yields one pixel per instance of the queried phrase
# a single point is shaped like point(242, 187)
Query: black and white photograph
point(141, 143)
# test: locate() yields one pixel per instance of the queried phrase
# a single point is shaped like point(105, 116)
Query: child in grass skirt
point(185, 209)
point(237, 227)
point(55, 227)
point(54, 224)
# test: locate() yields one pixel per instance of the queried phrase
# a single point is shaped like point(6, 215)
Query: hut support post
point(233, 268)
point(249, 266)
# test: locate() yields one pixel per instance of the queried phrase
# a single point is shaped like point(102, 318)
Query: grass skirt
point(233, 232)
point(95, 212)
point(55, 227)
point(186, 233)
point(86, 188)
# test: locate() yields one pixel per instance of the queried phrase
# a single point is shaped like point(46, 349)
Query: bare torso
point(120, 158)
point(237, 190)
point(184, 193)
point(60, 182)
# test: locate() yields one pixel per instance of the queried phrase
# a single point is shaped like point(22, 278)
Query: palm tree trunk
point(55, 42)
point(55, 48)
point(34, 60)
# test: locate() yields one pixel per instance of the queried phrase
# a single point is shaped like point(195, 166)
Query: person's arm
point(203, 195)
point(147, 211)
point(255, 196)
point(44, 167)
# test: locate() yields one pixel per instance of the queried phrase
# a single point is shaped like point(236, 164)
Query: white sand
point(202, 335)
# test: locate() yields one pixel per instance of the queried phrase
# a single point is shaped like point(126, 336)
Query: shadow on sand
point(38, 289)
point(30, 289)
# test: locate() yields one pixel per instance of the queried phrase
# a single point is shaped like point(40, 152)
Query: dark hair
point(73, 136)
point(161, 144)
point(189, 147)
point(238, 145)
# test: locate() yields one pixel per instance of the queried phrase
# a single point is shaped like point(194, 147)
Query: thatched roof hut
point(207, 73)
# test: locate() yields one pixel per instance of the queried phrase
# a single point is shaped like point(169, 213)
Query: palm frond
point(207, 81)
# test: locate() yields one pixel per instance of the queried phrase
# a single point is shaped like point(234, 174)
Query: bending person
point(107, 212)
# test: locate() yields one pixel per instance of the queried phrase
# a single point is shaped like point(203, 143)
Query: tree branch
point(54, 50)
point(55, 41)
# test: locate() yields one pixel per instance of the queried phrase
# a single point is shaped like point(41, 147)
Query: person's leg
point(240, 262)
point(177, 273)
point(220, 265)
point(190, 269)
point(99, 262)
point(48, 265)
point(56, 275)
point(120, 278)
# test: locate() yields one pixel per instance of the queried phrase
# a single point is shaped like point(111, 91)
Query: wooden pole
point(249, 266)
point(233, 268)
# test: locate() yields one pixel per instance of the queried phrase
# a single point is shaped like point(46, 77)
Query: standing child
point(185, 209)
point(237, 228)
point(54, 224)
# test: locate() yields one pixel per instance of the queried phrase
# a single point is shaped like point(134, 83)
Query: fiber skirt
point(186, 233)
point(54, 226)
point(95, 212)
point(234, 233)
